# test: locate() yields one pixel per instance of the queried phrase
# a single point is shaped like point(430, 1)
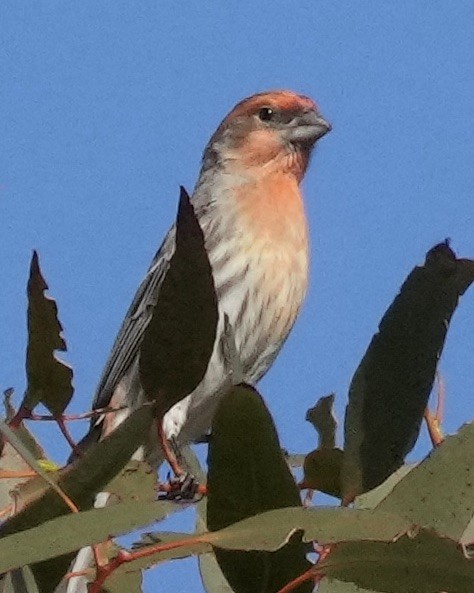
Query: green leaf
point(136, 481)
point(248, 475)
point(81, 481)
point(326, 525)
point(467, 538)
point(370, 499)
point(425, 563)
point(439, 492)
point(212, 576)
point(49, 379)
point(391, 387)
point(179, 340)
point(124, 581)
point(69, 533)
point(271, 530)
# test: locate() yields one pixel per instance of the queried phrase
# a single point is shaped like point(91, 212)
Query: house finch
point(250, 208)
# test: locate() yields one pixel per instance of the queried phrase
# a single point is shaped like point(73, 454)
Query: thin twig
point(74, 417)
point(67, 435)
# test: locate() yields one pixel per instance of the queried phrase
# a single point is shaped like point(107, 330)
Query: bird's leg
point(184, 485)
point(170, 450)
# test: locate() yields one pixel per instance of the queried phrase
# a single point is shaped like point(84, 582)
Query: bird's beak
point(308, 127)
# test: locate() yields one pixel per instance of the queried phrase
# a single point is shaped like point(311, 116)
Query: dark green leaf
point(392, 384)
point(49, 379)
point(321, 416)
point(248, 475)
point(334, 586)
point(179, 339)
point(322, 471)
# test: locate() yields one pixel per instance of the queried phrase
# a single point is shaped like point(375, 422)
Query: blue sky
point(106, 108)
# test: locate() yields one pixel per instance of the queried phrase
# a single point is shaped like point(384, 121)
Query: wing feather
point(127, 343)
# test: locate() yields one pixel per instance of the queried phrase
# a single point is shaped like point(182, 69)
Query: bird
point(249, 205)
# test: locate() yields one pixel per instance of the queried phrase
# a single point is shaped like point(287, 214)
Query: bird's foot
point(180, 488)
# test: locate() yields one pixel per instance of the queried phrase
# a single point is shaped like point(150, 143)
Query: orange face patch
point(283, 100)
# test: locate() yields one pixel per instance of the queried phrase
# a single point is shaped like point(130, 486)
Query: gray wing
point(127, 343)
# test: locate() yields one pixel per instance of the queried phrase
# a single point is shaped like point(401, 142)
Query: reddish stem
point(124, 557)
point(23, 413)
point(74, 417)
point(306, 576)
point(67, 435)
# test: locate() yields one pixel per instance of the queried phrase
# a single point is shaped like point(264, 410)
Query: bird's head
point(275, 128)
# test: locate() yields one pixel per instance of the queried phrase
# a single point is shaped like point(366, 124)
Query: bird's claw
point(183, 487)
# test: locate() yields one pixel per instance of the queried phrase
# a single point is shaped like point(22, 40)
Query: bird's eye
point(266, 113)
